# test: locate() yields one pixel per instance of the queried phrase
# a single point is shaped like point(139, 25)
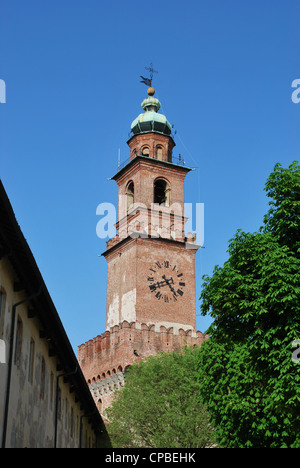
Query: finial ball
point(151, 91)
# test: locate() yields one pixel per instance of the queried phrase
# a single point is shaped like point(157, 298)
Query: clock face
point(165, 281)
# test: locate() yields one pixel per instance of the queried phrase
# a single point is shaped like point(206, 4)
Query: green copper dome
point(150, 120)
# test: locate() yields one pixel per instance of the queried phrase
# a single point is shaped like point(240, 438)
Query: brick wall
point(104, 359)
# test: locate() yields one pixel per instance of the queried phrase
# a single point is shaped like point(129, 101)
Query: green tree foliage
point(158, 406)
point(247, 377)
point(283, 218)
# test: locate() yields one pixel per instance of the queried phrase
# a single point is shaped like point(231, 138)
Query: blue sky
point(72, 72)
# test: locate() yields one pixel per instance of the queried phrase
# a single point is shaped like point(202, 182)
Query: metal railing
point(178, 160)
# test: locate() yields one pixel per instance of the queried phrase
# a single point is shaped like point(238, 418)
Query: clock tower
point(150, 303)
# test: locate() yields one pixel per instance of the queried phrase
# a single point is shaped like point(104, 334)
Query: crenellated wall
point(105, 358)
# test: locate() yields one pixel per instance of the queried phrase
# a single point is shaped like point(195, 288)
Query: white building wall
point(31, 416)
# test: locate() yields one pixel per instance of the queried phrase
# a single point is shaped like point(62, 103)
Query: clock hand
point(170, 281)
point(159, 284)
point(169, 284)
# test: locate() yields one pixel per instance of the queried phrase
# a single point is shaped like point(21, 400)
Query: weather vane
point(148, 81)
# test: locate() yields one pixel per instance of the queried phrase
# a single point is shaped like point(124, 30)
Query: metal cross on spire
point(148, 81)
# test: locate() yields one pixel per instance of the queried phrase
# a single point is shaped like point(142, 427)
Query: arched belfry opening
point(162, 192)
point(159, 153)
point(146, 151)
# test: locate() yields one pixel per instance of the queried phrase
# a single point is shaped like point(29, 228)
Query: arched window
point(130, 194)
point(145, 151)
point(161, 192)
point(159, 153)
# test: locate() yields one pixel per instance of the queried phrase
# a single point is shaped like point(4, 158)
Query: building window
point(43, 378)
point(161, 192)
point(31, 361)
point(145, 151)
point(59, 404)
point(66, 413)
point(159, 153)
point(51, 390)
point(18, 345)
point(130, 195)
point(2, 308)
point(72, 423)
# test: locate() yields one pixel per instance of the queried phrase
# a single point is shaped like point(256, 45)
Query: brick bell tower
point(151, 303)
